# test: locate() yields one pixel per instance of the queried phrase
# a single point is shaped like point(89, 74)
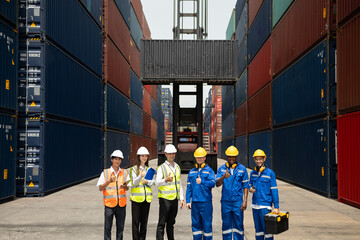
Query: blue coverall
point(266, 194)
point(231, 201)
point(200, 197)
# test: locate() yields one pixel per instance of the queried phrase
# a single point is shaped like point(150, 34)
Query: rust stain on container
point(259, 110)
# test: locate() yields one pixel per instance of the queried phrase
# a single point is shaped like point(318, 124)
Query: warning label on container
point(7, 84)
point(5, 174)
point(31, 184)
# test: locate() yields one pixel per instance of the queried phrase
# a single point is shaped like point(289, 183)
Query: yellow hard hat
point(231, 151)
point(259, 153)
point(200, 152)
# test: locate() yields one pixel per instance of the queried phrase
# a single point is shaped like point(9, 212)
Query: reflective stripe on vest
point(170, 190)
point(113, 195)
point(141, 192)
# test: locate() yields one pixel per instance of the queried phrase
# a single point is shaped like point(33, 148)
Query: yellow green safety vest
point(170, 190)
point(141, 192)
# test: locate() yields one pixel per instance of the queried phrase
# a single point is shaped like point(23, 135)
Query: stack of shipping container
point(166, 107)
point(8, 96)
point(216, 118)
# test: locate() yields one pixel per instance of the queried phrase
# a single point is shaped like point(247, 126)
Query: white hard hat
point(170, 149)
point(142, 151)
point(117, 153)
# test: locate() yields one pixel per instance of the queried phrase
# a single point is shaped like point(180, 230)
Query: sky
point(159, 15)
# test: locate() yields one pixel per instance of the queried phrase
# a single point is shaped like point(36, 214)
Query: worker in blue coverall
point(265, 194)
point(234, 178)
point(200, 181)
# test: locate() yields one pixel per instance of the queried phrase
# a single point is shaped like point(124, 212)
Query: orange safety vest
point(113, 194)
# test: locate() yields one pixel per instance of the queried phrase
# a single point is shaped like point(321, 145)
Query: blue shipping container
point(94, 7)
point(301, 91)
point(8, 10)
point(261, 141)
point(136, 119)
point(228, 103)
point(8, 67)
point(57, 84)
point(154, 110)
point(68, 24)
point(135, 28)
point(238, 10)
point(241, 28)
point(260, 29)
point(304, 154)
point(7, 155)
point(51, 163)
point(242, 56)
point(118, 141)
point(228, 127)
point(124, 8)
point(136, 89)
point(241, 90)
point(118, 110)
point(241, 145)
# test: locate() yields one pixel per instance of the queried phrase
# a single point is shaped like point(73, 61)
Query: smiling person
point(234, 178)
point(141, 194)
point(112, 183)
point(200, 181)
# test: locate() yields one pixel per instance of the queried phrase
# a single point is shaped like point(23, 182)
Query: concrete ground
point(77, 213)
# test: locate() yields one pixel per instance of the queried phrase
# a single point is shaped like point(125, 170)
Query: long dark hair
point(138, 163)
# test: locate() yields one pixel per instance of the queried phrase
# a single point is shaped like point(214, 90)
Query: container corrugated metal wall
point(348, 70)
point(136, 90)
point(118, 141)
point(146, 125)
point(254, 6)
point(241, 145)
point(147, 102)
point(228, 103)
point(8, 67)
point(154, 109)
point(301, 91)
point(261, 141)
point(228, 127)
point(153, 129)
point(259, 110)
point(231, 26)
point(138, 141)
point(348, 140)
point(118, 110)
point(260, 29)
point(314, 166)
point(94, 7)
point(241, 123)
point(134, 58)
point(7, 155)
point(136, 114)
point(162, 60)
point(238, 10)
point(242, 56)
point(241, 89)
point(8, 10)
point(260, 68)
point(346, 8)
point(124, 6)
point(135, 28)
point(279, 7)
point(52, 161)
point(241, 28)
point(154, 92)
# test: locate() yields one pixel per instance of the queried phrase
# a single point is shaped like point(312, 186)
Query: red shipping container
point(146, 29)
point(241, 120)
point(116, 28)
point(259, 110)
point(148, 88)
point(254, 6)
point(116, 68)
point(260, 68)
point(136, 142)
point(154, 92)
point(305, 24)
point(146, 102)
point(348, 66)
point(348, 142)
point(135, 58)
point(153, 129)
point(146, 125)
point(346, 8)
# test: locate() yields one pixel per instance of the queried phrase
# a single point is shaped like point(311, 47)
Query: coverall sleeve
point(251, 181)
point(188, 190)
point(219, 174)
point(210, 181)
point(274, 191)
point(245, 180)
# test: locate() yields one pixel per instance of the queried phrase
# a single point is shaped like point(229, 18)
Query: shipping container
point(147, 101)
point(124, 7)
point(241, 145)
point(240, 4)
point(261, 140)
point(228, 127)
point(348, 141)
point(118, 69)
point(60, 19)
point(146, 29)
point(146, 125)
point(163, 61)
point(8, 68)
point(117, 110)
point(228, 103)
point(348, 70)
point(279, 7)
point(134, 58)
point(154, 109)
point(260, 68)
point(138, 141)
point(241, 90)
point(242, 28)
point(254, 6)
point(95, 9)
point(154, 92)
point(9, 11)
point(117, 141)
point(52, 81)
point(259, 110)
point(135, 28)
point(346, 9)
point(231, 27)
point(154, 127)
point(299, 30)
point(242, 56)
point(260, 29)
point(304, 154)
point(136, 90)
point(138, 10)
point(8, 148)
point(136, 115)
point(148, 88)
point(241, 123)
point(50, 163)
point(307, 88)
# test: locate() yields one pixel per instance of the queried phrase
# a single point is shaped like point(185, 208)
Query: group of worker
point(232, 176)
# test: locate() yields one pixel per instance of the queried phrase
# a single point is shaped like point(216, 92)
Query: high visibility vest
point(141, 192)
point(113, 194)
point(170, 190)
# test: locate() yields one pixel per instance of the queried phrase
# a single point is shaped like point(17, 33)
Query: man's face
point(231, 159)
point(170, 156)
point(116, 161)
point(259, 161)
point(200, 160)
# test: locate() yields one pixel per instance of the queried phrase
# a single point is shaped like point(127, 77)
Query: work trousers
point(167, 213)
point(259, 223)
point(120, 214)
point(233, 220)
point(201, 220)
point(140, 214)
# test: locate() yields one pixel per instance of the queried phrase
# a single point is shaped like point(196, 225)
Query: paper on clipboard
point(150, 174)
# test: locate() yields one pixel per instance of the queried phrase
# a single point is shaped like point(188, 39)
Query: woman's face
point(144, 158)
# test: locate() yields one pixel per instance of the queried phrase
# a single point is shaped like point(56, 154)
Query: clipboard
point(150, 174)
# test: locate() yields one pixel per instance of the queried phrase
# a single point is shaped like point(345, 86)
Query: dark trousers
point(120, 214)
point(140, 214)
point(167, 213)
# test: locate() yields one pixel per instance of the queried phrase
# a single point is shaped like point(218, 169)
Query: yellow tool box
point(276, 223)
